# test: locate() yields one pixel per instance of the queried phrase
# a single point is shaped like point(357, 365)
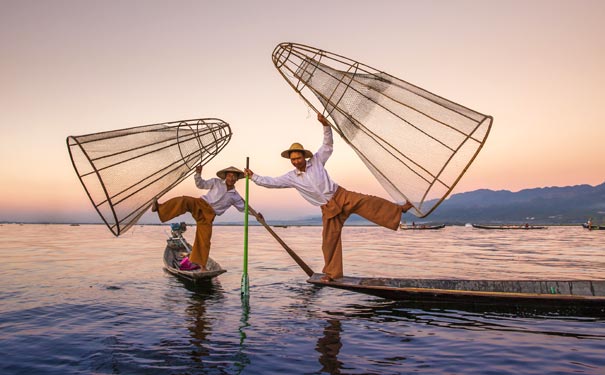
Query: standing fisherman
point(221, 195)
point(312, 181)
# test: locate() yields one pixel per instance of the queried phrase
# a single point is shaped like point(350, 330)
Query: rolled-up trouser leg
point(335, 213)
point(176, 206)
point(375, 209)
point(332, 246)
point(203, 214)
point(201, 245)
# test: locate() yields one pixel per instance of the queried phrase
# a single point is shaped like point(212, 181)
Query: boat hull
point(510, 227)
point(421, 227)
point(542, 292)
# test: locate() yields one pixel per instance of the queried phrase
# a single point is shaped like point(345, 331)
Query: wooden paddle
point(291, 252)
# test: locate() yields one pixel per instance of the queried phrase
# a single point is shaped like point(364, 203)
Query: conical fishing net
point(123, 170)
point(417, 144)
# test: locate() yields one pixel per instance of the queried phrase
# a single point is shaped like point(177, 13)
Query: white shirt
point(314, 184)
point(218, 197)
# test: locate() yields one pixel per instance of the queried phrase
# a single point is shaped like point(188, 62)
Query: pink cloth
point(186, 265)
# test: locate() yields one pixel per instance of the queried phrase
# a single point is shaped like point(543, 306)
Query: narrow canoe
point(174, 253)
point(525, 227)
point(542, 292)
point(420, 227)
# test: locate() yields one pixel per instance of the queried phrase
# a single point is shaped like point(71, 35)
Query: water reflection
point(522, 319)
point(207, 311)
point(241, 359)
point(199, 323)
point(409, 326)
point(329, 346)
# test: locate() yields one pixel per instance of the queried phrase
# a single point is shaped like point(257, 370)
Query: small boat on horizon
point(522, 226)
point(420, 226)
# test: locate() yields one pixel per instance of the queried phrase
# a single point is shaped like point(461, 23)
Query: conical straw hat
point(222, 174)
point(296, 147)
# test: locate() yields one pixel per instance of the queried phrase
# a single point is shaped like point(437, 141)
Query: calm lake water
point(76, 300)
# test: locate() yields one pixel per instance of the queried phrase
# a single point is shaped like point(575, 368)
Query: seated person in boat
point(221, 195)
point(312, 181)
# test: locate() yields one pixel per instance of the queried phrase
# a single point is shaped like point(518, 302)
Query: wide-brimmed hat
point(296, 147)
point(222, 174)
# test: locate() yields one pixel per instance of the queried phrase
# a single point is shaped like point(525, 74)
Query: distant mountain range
point(549, 205)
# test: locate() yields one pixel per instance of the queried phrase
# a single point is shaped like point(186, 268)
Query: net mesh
point(417, 144)
point(123, 170)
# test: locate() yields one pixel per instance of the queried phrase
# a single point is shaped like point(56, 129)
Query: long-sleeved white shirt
point(314, 185)
point(218, 197)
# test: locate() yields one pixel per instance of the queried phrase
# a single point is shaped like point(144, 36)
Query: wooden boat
point(420, 227)
point(593, 227)
point(577, 296)
point(177, 248)
point(523, 226)
point(542, 292)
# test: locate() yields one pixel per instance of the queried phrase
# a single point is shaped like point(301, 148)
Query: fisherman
point(221, 195)
point(314, 184)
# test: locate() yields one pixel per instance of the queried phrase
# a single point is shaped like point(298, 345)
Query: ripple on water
point(97, 304)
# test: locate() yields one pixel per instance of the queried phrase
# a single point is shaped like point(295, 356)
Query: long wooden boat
point(593, 227)
point(420, 227)
point(177, 248)
point(542, 292)
point(523, 226)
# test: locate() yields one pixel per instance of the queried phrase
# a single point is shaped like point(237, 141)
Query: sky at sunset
point(80, 67)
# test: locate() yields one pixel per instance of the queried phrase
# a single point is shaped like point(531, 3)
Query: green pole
point(245, 282)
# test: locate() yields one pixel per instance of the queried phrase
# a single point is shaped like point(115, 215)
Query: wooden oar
point(245, 281)
point(291, 252)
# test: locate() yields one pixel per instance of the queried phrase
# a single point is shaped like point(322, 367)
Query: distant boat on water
point(523, 226)
point(420, 226)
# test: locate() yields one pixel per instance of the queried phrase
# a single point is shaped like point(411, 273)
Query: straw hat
point(296, 147)
point(222, 174)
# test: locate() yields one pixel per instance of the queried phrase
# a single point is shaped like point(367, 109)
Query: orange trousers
point(203, 214)
point(337, 211)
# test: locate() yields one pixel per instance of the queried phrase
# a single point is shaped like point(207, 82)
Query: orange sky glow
point(77, 67)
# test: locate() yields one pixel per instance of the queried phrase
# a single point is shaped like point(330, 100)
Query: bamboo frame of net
point(123, 171)
point(298, 64)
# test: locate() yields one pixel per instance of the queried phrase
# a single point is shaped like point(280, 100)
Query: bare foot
point(326, 279)
point(154, 205)
point(406, 206)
